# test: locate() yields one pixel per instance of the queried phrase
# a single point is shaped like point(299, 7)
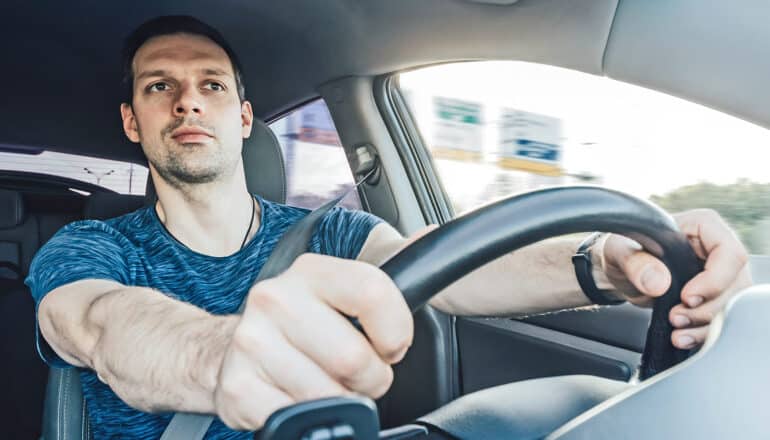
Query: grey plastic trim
point(713, 53)
point(623, 326)
point(628, 357)
point(409, 144)
point(719, 393)
point(425, 382)
point(760, 268)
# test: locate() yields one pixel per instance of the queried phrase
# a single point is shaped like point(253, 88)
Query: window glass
point(496, 128)
point(317, 169)
point(122, 177)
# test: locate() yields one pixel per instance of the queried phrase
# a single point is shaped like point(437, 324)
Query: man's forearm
point(156, 353)
point(537, 278)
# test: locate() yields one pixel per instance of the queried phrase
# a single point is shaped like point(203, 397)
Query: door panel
point(497, 351)
point(622, 326)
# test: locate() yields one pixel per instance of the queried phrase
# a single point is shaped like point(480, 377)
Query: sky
point(638, 140)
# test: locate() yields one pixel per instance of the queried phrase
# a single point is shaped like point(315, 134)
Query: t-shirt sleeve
point(79, 251)
point(343, 232)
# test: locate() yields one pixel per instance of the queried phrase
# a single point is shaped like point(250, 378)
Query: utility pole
point(130, 177)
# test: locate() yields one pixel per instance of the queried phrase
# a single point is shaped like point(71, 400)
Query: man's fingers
point(244, 401)
point(723, 266)
point(249, 415)
point(726, 257)
point(647, 274)
point(368, 294)
point(682, 316)
point(689, 338)
point(686, 315)
point(285, 366)
point(324, 336)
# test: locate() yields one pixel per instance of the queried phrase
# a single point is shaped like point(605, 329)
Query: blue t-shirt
point(137, 250)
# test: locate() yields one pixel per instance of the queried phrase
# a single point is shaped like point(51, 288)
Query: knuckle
point(741, 255)
point(377, 287)
point(384, 385)
point(259, 419)
point(230, 421)
point(677, 310)
point(706, 315)
point(244, 339)
point(352, 361)
point(266, 296)
point(393, 348)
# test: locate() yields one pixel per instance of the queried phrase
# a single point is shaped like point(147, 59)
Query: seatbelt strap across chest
point(293, 243)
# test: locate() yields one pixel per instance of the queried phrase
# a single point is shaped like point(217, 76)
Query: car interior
point(561, 375)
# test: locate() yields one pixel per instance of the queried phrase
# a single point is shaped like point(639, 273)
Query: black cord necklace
point(251, 222)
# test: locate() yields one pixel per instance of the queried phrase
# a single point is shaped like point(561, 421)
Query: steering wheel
point(458, 247)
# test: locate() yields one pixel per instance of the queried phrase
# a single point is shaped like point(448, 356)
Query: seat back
point(65, 414)
point(22, 373)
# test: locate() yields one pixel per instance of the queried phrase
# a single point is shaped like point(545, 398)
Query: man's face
point(186, 111)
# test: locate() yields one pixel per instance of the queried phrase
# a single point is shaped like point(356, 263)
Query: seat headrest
point(101, 206)
point(262, 163)
point(11, 209)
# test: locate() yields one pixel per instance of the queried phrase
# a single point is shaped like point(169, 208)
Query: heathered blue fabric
point(136, 250)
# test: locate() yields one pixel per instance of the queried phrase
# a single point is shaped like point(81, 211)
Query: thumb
point(648, 274)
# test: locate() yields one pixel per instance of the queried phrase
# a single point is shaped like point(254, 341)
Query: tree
point(745, 205)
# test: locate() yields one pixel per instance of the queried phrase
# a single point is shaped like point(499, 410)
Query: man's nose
point(188, 101)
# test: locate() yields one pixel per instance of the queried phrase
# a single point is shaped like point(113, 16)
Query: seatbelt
point(293, 243)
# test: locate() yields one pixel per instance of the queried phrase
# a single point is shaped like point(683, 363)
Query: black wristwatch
point(583, 270)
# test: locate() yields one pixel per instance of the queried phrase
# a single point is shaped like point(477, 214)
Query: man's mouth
point(191, 135)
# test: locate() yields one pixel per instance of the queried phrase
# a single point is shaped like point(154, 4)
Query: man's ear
point(129, 122)
point(247, 119)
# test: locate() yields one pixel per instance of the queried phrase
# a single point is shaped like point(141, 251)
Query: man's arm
point(534, 279)
point(156, 353)
point(541, 277)
point(291, 344)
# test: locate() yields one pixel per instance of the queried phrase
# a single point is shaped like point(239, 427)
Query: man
point(145, 302)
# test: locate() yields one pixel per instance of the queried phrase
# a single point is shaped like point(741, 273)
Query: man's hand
point(642, 277)
point(294, 344)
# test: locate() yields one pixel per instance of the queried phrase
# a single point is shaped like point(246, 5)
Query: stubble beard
point(173, 164)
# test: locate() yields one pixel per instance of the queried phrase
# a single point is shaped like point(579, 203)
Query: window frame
point(426, 184)
point(362, 203)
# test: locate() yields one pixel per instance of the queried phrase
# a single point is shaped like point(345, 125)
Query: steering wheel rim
point(447, 253)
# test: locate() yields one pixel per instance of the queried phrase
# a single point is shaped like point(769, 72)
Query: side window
point(122, 177)
point(317, 169)
point(496, 128)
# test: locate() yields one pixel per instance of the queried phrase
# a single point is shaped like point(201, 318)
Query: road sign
point(530, 142)
point(457, 130)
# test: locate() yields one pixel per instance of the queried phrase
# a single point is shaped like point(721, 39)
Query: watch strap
point(584, 272)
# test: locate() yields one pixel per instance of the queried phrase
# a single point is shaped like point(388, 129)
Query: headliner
point(62, 68)
point(64, 59)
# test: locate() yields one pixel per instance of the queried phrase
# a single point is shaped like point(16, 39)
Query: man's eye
point(158, 87)
point(216, 87)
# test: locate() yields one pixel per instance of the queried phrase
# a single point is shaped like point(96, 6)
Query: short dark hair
point(169, 25)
